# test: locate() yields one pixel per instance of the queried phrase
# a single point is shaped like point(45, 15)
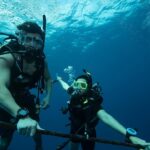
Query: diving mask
point(30, 40)
point(79, 85)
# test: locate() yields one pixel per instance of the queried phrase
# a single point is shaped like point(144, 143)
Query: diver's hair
point(88, 79)
point(31, 27)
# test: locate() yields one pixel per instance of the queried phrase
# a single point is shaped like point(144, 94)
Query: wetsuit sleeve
point(98, 102)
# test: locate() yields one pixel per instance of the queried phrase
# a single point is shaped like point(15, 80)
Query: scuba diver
point(85, 110)
point(23, 67)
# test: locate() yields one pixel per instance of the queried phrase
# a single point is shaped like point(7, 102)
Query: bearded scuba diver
point(20, 44)
point(28, 70)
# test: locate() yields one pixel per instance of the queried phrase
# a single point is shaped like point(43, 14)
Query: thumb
point(39, 128)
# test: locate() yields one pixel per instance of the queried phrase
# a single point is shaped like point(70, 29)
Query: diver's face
point(80, 85)
point(31, 40)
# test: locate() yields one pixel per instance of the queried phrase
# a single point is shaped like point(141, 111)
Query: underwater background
point(109, 38)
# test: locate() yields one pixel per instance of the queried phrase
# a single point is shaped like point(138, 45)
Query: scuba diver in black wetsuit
point(85, 109)
point(23, 67)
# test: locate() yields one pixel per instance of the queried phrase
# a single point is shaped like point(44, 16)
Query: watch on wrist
point(130, 132)
point(22, 113)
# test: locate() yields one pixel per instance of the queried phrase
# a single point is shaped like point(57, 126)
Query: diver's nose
point(31, 43)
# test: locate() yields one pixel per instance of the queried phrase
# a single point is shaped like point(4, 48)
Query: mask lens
point(32, 41)
point(38, 41)
point(28, 39)
point(83, 85)
point(79, 85)
point(75, 85)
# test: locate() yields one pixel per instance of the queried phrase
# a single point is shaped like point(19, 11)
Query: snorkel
point(44, 30)
point(44, 35)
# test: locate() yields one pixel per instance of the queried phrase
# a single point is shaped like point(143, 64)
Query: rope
point(73, 136)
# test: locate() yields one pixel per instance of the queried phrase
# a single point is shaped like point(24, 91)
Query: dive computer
point(22, 113)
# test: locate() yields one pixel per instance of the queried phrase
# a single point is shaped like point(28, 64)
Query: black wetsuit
point(83, 115)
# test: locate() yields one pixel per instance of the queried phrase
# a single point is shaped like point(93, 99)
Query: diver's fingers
point(32, 131)
point(24, 131)
point(27, 131)
point(45, 106)
point(21, 131)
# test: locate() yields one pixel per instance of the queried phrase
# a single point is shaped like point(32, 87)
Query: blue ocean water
point(111, 39)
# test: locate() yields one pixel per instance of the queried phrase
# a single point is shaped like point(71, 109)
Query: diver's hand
point(136, 140)
point(58, 78)
point(38, 107)
point(45, 103)
point(27, 126)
